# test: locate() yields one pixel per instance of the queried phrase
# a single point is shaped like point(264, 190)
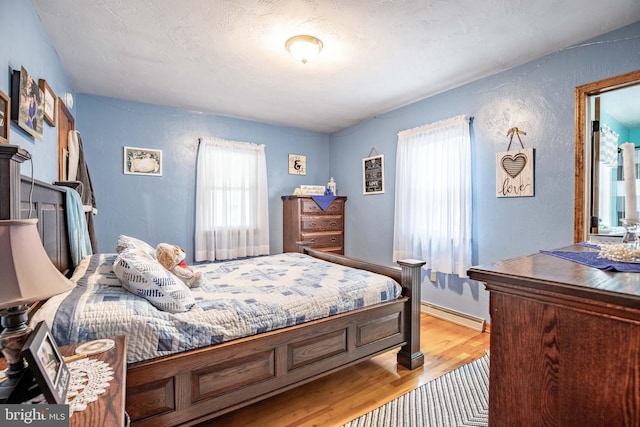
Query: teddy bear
point(171, 257)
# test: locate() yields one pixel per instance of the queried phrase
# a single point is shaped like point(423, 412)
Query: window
point(232, 217)
point(432, 218)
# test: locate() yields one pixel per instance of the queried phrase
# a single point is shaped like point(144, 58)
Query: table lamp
point(27, 275)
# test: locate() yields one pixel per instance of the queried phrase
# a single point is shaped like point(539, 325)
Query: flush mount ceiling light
point(303, 48)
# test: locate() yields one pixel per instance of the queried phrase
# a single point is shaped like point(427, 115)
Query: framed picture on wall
point(47, 364)
point(373, 175)
point(5, 116)
point(26, 103)
point(297, 164)
point(48, 102)
point(142, 161)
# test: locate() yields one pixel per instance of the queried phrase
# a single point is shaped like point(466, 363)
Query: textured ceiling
point(227, 57)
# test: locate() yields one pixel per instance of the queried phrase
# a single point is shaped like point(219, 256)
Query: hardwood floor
point(354, 391)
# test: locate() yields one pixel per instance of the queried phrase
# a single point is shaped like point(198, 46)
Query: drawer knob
point(312, 240)
point(333, 223)
point(312, 224)
point(333, 240)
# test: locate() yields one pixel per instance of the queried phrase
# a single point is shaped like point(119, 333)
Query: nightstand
point(108, 410)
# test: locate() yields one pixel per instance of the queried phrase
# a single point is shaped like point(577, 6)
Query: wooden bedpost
point(303, 246)
point(410, 355)
point(11, 156)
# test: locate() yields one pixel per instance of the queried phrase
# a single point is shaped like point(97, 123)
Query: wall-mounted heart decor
point(514, 173)
point(513, 165)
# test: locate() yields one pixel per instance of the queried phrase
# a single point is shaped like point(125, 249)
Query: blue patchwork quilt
point(237, 299)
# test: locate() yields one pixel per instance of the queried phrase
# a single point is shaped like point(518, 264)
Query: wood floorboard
point(354, 391)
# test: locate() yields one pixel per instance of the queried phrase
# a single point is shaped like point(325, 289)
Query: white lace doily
point(89, 379)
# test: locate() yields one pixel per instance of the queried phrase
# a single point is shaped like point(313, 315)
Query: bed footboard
point(409, 277)
point(203, 384)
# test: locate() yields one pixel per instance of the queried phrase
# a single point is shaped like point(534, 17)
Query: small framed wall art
point(26, 100)
point(142, 161)
point(373, 175)
point(297, 164)
point(514, 173)
point(49, 102)
point(46, 364)
point(5, 116)
point(514, 169)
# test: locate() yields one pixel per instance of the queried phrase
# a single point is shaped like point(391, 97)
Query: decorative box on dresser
point(565, 343)
point(304, 220)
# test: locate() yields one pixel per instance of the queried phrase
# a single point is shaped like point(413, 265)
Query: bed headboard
point(47, 203)
point(20, 197)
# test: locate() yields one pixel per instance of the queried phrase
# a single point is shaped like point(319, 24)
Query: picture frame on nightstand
point(47, 364)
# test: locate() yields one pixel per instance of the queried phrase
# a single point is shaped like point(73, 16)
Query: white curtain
point(433, 196)
point(620, 188)
point(232, 217)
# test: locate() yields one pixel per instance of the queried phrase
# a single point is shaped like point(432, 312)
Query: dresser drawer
point(311, 207)
point(321, 223)
point(322, 240)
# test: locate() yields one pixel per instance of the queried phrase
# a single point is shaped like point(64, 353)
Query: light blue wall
point(161, 209)
point(25, 44)
point(537, 97)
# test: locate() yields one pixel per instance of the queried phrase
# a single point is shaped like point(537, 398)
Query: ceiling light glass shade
point(303, 48)
point(28, 275)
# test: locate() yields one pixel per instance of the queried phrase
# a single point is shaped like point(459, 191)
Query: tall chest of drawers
point(304, 220)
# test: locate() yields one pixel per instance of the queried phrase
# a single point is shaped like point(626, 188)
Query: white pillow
point(144, 276)
point(140, 246)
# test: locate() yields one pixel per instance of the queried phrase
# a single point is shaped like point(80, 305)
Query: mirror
point(595, 186)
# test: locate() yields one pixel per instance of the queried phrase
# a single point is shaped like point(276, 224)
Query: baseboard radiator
point(453, 316)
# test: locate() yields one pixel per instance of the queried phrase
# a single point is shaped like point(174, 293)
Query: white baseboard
point(453, 316)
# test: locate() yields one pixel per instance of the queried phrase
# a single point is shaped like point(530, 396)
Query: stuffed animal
point(171, 257)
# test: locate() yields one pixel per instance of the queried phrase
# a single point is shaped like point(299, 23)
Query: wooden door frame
point(66, 122)
point(582, 94)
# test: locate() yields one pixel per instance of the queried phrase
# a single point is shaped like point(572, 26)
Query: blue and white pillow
point(142, 275)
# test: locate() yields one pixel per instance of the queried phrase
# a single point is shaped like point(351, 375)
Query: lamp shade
point(304, 48)
point(27, 274)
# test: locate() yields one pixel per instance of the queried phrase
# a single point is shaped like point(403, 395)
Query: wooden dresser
point(305, 220)
point(565, 343)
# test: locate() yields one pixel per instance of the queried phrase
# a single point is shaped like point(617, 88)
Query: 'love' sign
point(514, 173)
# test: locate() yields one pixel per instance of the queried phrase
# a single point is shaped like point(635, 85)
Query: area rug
point(457, 398)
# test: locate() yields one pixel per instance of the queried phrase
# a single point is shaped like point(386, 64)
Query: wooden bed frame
point(190, 387)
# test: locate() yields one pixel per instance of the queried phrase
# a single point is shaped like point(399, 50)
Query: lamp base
point(18, 390)
point(19, 385)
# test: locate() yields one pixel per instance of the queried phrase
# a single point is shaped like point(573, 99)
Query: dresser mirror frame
point(583, 189)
